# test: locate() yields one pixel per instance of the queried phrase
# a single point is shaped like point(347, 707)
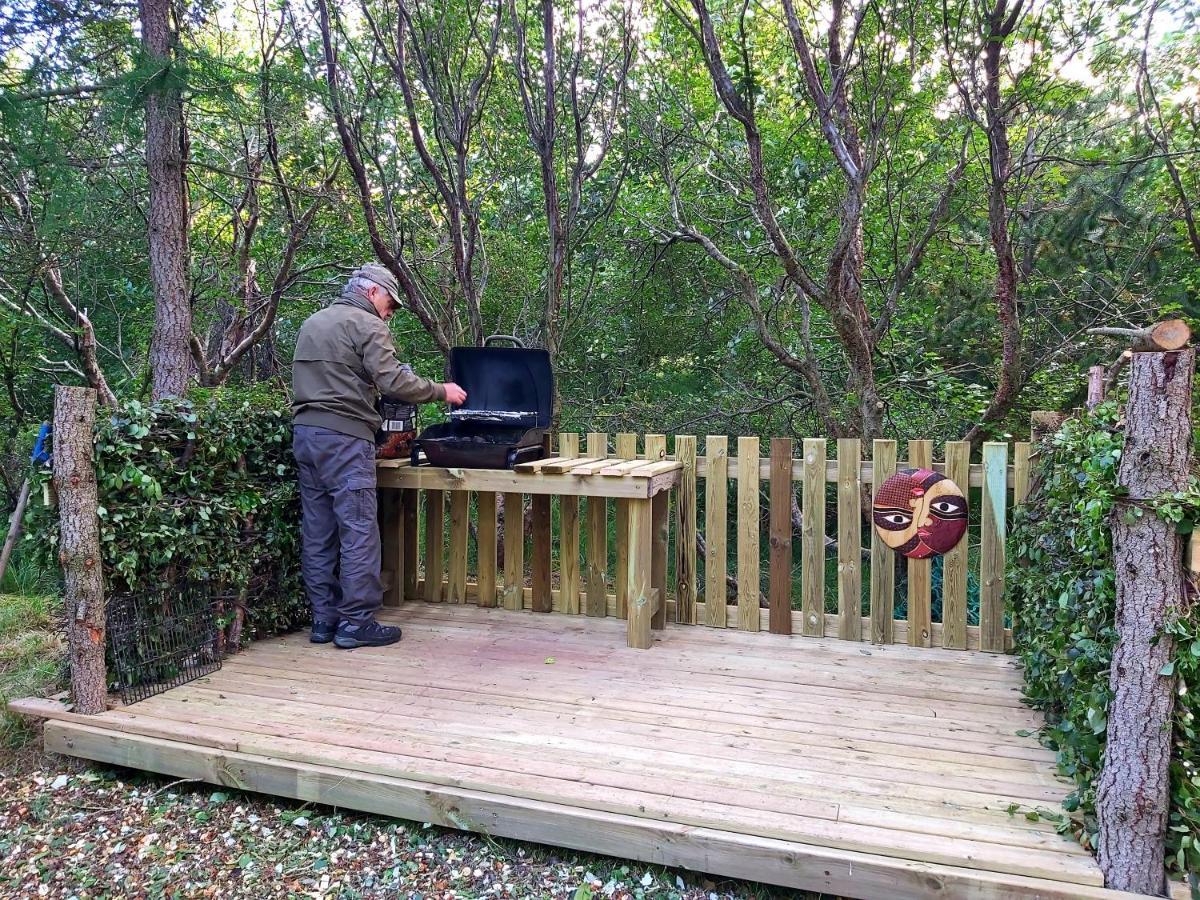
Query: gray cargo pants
point(340, 523)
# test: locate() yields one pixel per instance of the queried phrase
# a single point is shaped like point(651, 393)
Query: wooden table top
point(585, 476)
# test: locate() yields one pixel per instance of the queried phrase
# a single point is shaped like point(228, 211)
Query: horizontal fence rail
point(725, 528)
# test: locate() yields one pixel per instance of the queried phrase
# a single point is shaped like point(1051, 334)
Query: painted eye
point(944, 506)
point(897, 519)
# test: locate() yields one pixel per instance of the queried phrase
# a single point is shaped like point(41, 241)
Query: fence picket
point(716, 450)
point(954, 564)
point(460, 505)
point(487, 549)
point(812, 538)
point(920, 571)
point(780, 592)
point(568, 540)
point(514, 551)
point(435, 511)
point(883, 561)
point(849, 454)
point(991, 548)
point(410, 540)
point(597, 551)
point(543, 540)
point(747, 536)
point(391, 534)
point(685, 531)
point(626, 448)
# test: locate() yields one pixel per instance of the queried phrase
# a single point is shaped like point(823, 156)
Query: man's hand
point(455, 395)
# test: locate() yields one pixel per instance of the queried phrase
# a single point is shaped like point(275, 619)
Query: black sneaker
point(322, 632)
point(369, 634)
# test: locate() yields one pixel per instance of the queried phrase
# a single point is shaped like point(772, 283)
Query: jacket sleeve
point(379, 360)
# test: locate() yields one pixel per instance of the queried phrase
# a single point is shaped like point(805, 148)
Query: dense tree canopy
point(871, 217)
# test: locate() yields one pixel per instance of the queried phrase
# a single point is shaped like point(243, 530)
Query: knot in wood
point(75, 481)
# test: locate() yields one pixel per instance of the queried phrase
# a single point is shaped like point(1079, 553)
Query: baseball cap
point(381, 276)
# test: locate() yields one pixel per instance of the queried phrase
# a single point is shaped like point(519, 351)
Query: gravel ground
point(67, 830)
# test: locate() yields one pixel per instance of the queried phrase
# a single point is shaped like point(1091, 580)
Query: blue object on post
point(40, 452)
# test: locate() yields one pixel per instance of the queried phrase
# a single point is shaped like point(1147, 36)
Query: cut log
point(79, 544)
point(1133, 792)
point(1164, 336)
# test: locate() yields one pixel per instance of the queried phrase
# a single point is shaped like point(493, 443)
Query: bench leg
point(639, 533)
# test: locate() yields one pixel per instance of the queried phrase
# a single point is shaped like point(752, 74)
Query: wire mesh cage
point(160, 639)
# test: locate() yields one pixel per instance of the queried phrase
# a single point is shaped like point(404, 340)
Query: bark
point(79, 544)
point(170, 356)
point(1001, 22)
point(1134, 788)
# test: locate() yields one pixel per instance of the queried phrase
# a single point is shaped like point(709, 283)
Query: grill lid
point(504, 385)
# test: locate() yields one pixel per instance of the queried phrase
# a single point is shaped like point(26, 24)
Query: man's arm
point(379, 359)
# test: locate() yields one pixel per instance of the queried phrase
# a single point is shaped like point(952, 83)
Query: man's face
point(383, 302)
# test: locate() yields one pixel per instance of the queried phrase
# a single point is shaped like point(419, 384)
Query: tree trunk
point(1133, 791)
point(79, 544)
point(170, 355)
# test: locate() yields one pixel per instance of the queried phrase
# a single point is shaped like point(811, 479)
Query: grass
point(31, 659)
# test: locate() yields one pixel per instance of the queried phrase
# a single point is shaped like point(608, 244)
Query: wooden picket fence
point(588, 584)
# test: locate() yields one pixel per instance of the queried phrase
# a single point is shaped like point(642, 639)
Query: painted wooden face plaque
point(919, 513)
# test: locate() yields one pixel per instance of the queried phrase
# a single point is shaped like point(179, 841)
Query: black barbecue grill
point(509, 395)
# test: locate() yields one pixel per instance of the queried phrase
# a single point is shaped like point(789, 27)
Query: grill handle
point(516, 341)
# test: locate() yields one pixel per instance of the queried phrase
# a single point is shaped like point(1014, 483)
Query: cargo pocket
point(362, 496)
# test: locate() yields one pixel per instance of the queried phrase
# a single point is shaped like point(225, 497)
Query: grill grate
point(161, 639)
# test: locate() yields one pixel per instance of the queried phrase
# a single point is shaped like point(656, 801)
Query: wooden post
point(716, 486)
point(639, 535)
point(597, 549)
point(920, 571)
point(568, 528)
point(954, 564)
point(812, 539)
point(435, 518)
point(780, 591)
point(883, 558)
point(79, 544)
point(409, 540)
point(460, 508)
point(1132, 795)
point(487, 548)
point(849, 524)
point(993, 530)
point(1095, 387)
point(514, 551)
point(626, 448)
point(391, 534)
point(543, 539)
point(747, 534)
point(685, 531)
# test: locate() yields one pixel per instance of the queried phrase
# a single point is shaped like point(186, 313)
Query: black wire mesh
point(160, 639)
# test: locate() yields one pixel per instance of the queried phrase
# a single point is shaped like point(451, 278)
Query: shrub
point(203, 492)
point(1063, 592)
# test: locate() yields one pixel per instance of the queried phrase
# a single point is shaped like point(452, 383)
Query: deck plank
point(904, 759)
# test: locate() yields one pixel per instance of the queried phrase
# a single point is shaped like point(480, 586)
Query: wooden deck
point(860, 770)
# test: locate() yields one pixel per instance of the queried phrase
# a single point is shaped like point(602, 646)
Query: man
point(345, 358)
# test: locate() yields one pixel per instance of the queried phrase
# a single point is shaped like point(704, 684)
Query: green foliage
point(32, 662)
point(1064, 601)
point(204, 492)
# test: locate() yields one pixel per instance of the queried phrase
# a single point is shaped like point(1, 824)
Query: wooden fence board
point(568, 541)
point(435, 512)
point(514, 550)
point(883, 562)
point(685, 531)
point(780, 591)
point(543, 550)
point(849, 451)
point(747, 538)
point(1022, 470)
point(411, 538)
point(993, 531)
point(597, 550)
point(391, 539)
point(920, 571)
point(812, 538)
point(716, 448)
point(487, 548)
point(626, 448)
point(460, 506)
point(954, 564)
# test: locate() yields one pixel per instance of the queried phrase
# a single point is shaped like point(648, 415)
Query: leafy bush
point(203, 492)
point(1064, 599)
